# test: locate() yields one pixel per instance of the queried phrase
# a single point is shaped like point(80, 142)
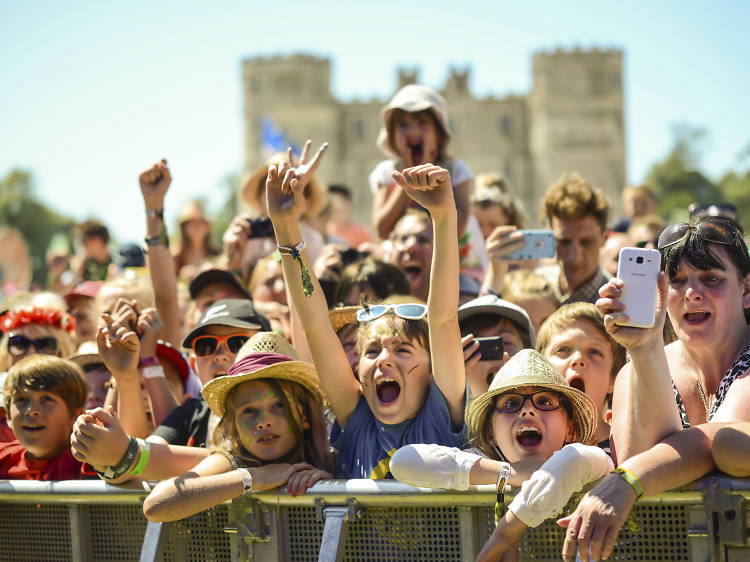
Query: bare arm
point(430, 186)
point(330, 359)
point(462, 194)
point(154, 184)
point(643, 389)
point(210, 483)
point(387, 208)
point(731, 449)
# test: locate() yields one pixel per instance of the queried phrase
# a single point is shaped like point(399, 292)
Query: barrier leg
point(79, 532)
point(336, 528)
point(152, 545)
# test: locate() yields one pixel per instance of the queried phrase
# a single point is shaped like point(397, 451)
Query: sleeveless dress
point(740, 365)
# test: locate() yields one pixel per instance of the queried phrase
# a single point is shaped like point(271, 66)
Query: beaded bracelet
point(294, 251)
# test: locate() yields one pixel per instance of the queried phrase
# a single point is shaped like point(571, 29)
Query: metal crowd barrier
point(346, 520)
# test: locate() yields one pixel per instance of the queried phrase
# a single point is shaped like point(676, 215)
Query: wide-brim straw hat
point(413, 98)
point(192, 211)
point(254, 189)
point(267, 355)
point(342, 315)
point(529, 368)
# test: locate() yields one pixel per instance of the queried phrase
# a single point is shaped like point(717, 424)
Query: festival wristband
point(294, 251)
point(631, 479)
point(148, 361)
point(114, 472)
point(140, 466)
point(155, 372)
point(502, 482)
point(247, 480)
point(154, 213)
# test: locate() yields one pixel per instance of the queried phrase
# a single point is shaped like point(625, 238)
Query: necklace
point(707, 402)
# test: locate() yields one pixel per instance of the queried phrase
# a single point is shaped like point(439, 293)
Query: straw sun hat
point(254, 189)
point(529, 368)
point(267, 355)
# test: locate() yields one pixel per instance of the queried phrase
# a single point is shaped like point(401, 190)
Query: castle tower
point(288, 100)
point(576, 113)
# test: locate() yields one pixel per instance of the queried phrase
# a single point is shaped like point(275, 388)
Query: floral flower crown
point(41, 316)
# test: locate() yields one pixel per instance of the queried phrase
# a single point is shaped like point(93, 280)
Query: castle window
point(359, 129)
point(506, 125)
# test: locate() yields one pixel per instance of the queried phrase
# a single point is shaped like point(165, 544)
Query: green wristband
point(631, 479)
point(140, 466)
point(114, 472)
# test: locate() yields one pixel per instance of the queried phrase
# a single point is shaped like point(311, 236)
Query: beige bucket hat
point(529, 368)
point(413, 98)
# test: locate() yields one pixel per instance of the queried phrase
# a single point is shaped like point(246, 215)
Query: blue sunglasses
point(408, 311)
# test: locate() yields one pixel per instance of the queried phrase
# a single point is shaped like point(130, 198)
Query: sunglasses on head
point(544, 400)
point(206, 345)
point(408, 311)
point(19, 345)
point(713, 230)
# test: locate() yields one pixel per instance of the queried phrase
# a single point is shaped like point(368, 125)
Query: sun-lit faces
point(412, 252)
point(261, 421)
point(706, 307)
point(578, 242)
point(41, 421)
point(583, 355)
point(490, 217)
point(415, 137)
point(211, 366)
point(530, 431)
point(394, 372)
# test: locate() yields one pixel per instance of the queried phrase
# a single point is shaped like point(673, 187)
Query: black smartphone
point(351, 255)
point(490, 347)
point(260, 228)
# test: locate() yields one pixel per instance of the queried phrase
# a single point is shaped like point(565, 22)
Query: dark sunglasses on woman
point(20, 345)
point(206, 345)
point(717, 230)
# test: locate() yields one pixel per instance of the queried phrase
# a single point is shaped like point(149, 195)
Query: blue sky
point(93, 92)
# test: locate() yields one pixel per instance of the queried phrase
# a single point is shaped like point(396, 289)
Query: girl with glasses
point(669, 399)
point(529, 417)
point(411, 384)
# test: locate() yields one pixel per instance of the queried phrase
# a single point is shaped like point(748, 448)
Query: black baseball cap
point(238, 313)
point(211, 276)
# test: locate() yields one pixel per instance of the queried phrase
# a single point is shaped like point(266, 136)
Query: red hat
point(85, 289)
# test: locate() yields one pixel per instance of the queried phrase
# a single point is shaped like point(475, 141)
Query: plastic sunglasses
point(543, 400)
point(19, 345)
point(206, 345)
point(712, 230)
point(408, 311)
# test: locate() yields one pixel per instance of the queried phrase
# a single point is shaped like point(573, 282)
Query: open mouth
point(578, 384)
point(413, 272)
point(268, 439)
point(697, 316)
point(387, 390)
point(529, 437)
point(33, 428)
point(417, 152)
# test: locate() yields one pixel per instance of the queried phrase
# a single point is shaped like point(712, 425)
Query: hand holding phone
point(536, 244)
point(491, 348)
point(639, 270)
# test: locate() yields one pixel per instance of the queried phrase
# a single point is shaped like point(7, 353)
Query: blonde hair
point(312, 444)
point(567, 315)
point(523, 284)
point(49, 373)
point(137, 287)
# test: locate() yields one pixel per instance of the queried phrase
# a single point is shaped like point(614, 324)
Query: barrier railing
point(346, 520)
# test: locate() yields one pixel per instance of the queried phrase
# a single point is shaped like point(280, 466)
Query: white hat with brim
point(529, 368)
point(413, 98)
point(491, 304)
point(86, 354)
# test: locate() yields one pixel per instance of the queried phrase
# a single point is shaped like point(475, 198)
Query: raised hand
point(154, 185)
point(502, 241)
point(149, 327)
point(98, 438)
point(119, 348)
point(304, 168)
point(613, 309)
point(428, 185)
point(284, 198)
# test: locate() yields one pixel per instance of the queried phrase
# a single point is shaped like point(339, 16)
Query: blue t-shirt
point(366, 445)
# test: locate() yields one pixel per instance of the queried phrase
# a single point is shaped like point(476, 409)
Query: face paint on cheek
point(410, 370)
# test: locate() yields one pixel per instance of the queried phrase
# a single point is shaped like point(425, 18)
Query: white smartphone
point(639, 269)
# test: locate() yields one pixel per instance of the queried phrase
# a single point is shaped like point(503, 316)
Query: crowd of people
point(312, 347)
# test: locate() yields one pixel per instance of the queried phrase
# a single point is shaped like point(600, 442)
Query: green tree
point(678, 179)
point(20, 208)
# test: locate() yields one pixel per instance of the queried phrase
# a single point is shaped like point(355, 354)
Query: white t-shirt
point(381, 175)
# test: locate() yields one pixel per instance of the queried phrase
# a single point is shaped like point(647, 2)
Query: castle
point(572, 120)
